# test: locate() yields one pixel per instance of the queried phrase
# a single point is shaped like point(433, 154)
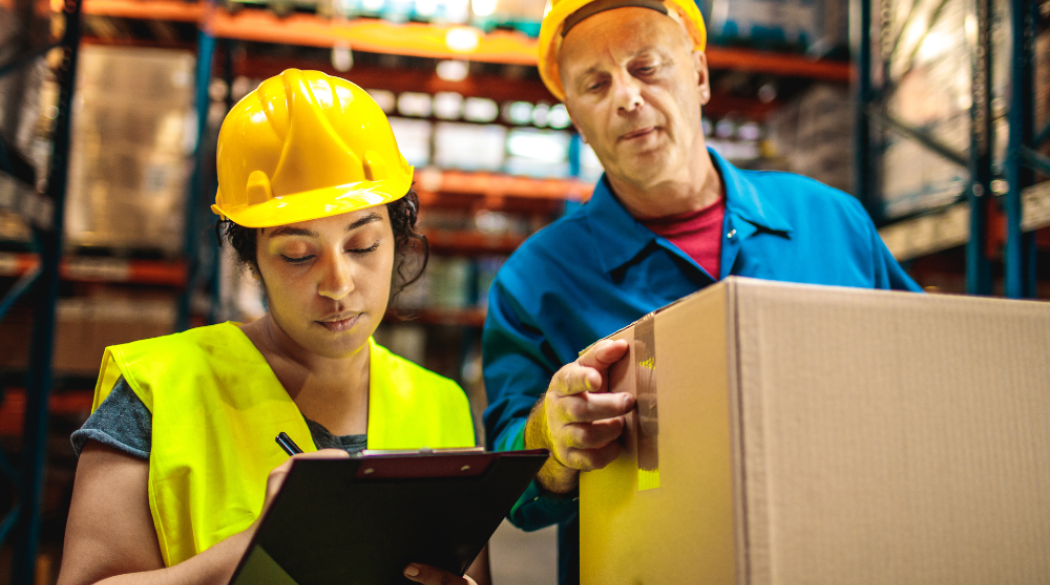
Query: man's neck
point(693, 189)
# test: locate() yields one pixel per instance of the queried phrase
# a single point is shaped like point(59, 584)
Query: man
point(669, 217)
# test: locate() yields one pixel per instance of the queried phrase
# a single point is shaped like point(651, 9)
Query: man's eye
point(371, 248)
point(293, 260)
point(647, 70)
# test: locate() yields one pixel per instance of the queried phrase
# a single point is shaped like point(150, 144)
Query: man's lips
point(341, 322)
point(638, 133)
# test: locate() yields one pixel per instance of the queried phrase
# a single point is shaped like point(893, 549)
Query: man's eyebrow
point(643, 52)
point(366, 219)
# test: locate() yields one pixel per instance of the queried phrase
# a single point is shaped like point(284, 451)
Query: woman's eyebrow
point(366, 219)
point(293, 231)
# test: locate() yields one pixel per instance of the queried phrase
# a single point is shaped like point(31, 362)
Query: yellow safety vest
point(217, 407)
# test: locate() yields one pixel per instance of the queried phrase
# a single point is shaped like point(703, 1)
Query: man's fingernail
point(587, 383)
point(412, 571)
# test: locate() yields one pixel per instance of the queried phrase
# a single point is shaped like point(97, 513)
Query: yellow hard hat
point(564, 14)
point(303, 146)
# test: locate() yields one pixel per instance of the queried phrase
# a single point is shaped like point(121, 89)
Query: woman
point(178, 459)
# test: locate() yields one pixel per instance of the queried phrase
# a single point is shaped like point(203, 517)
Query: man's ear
point(703, 78)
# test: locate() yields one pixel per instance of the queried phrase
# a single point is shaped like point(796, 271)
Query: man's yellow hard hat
point(564, 14)
point(304, 146)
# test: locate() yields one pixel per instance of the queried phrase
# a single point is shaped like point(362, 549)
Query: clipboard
point(363, 520)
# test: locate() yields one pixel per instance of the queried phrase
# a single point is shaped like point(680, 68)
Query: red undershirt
point(697, 233)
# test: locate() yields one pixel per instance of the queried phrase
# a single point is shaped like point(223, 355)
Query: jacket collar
point(619, 237)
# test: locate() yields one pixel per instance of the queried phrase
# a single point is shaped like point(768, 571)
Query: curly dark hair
point(411, 248)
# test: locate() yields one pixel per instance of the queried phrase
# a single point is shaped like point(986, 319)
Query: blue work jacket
point(598, 269)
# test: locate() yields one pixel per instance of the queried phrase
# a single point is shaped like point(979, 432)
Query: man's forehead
point(629, 32)
point(597, 6)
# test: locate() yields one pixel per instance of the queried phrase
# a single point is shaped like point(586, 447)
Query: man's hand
point(578, 420)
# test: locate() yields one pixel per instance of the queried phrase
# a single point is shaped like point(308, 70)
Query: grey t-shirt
point(124, 423)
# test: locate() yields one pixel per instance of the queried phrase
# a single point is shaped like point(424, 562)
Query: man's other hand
point(578, 420)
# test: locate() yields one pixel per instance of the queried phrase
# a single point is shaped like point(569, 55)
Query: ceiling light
point(477, 109)
point(342, 58)
point(483, 7)
point(453, 70)
point(414, 104)
point(462, 39)
point(386, 99)
point(558, 117)
point(448, 105)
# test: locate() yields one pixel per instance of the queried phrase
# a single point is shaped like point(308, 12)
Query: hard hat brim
point(319, 203)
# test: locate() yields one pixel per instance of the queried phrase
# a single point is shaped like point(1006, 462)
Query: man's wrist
point(555, 477)
point(536, 433)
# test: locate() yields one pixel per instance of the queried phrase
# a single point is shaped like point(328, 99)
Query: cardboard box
point(84, 328)
point(828, 435)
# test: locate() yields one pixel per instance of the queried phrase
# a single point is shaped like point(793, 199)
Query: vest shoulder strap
point(410, 407)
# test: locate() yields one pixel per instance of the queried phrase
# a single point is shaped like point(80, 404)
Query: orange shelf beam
point(473, 317)
point(420, 40)
point(472, 243)
point(376, 36)
point(13, 407)
point(497, 185)
point(468, 317)
point(174, 10)
point(89, 269)
point(777, 64)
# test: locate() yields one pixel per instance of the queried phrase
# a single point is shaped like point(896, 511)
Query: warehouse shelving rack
point(979, 219)
point(215, 27)
point(1021, 155)
point(22, 523)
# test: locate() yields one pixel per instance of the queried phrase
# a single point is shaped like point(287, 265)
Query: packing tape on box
point(648, 427)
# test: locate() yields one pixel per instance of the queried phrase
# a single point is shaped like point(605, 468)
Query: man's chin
point(645, 173)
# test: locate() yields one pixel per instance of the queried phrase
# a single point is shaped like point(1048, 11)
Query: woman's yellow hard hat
point(564, 14)
point(304, 146)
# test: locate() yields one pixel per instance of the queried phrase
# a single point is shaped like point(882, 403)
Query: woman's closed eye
point(371, 248)
point(296, 259)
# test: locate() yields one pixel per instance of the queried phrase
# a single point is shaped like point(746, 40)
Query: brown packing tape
point(647, 421)
point(635, 374)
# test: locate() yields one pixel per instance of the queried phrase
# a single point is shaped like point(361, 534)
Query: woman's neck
point(330, 391)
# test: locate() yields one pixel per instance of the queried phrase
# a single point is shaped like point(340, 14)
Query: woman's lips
point(338, 325)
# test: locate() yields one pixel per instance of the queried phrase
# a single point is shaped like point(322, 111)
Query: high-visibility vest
point(217, 408)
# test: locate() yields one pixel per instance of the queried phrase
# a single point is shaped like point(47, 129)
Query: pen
point(287, 444)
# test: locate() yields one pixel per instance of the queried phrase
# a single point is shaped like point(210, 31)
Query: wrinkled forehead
point(618, 32)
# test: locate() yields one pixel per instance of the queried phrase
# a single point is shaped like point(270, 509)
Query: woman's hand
point(431, 576)
point(275, 480)
point(124, 549)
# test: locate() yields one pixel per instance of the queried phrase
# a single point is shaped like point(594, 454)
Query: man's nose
point(337, 278)
point(627, 92)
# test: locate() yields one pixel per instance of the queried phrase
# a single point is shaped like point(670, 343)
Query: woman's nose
point(337, 279)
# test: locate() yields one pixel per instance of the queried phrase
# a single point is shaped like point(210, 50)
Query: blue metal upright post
point(863, 169)
point(1017, 174)
point(196, 191)
point(39, 376)
point(978, 267)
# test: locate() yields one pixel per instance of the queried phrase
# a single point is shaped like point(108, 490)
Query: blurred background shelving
point(496, 159)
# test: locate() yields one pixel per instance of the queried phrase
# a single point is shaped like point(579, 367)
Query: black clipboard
point(363, 520)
